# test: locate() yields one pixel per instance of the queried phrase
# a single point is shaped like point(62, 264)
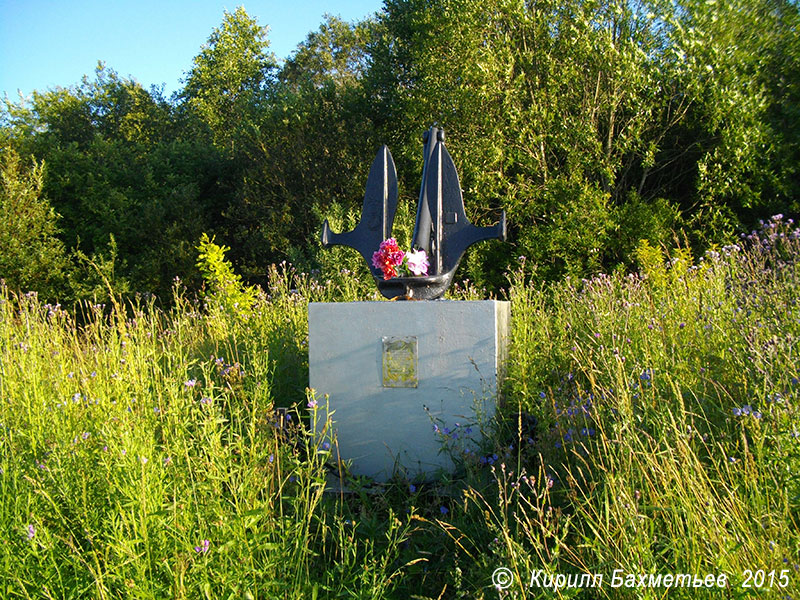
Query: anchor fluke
point(377, 212)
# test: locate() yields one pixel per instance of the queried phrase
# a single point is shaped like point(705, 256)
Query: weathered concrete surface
point(460, 353)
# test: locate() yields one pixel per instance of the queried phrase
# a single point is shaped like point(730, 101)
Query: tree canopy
point(594, 123)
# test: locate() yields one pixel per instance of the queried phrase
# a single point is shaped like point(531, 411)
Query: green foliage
point(593, 124)
point(663, 407)
point(225, 292)
point(665, 441)
point(31, 255)
point(739, 60)
point(118, 165)
point(228, 80)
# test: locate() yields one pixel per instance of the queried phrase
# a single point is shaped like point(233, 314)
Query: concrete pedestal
point(393, 370)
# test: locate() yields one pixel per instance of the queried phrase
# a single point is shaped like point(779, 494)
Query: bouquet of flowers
point(393, 262)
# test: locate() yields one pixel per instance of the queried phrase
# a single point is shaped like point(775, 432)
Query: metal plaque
point(399, 362)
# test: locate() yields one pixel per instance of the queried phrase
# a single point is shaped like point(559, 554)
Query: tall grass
point(669, 404)
point(650, 425)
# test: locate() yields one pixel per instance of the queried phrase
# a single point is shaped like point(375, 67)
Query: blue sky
point(49, 43)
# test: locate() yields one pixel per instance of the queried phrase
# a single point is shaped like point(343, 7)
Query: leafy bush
point(31, 255)
point(225, 293)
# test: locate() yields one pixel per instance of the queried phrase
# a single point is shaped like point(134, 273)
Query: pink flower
point(388, 258)
point(417, 262)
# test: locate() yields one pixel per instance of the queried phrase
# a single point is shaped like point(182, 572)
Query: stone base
point(391, 371)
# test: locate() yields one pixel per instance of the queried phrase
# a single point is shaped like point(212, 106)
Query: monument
point(397, 375)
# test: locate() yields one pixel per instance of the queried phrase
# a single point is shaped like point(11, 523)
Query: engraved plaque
point(399, 362)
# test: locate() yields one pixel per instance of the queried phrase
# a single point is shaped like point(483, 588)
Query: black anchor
point(442, 229)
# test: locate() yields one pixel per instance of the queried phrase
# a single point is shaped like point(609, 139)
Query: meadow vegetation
point(157, 257)
point(650, 424)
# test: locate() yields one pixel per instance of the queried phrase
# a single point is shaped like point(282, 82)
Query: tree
point(312, 145)
point(31, 255)
point(228, 83)
point(740, 61)
point(123, 163)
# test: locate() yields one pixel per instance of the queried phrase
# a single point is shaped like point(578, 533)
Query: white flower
point(417, 262)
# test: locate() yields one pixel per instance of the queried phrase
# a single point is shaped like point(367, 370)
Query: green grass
point(650, 425)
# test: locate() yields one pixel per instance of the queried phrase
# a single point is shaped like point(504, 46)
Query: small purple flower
point(205, 400)
point(203, 547)
point(85, 435)
point(312, 403)
point(190, 383)
point(444, 510)
point(747, 409)
point(737, 412)
point(31, 532)
point(412, 488)
point(271, 458)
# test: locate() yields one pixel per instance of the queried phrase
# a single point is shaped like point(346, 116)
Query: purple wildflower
point(203, 547)
point(31, 532)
